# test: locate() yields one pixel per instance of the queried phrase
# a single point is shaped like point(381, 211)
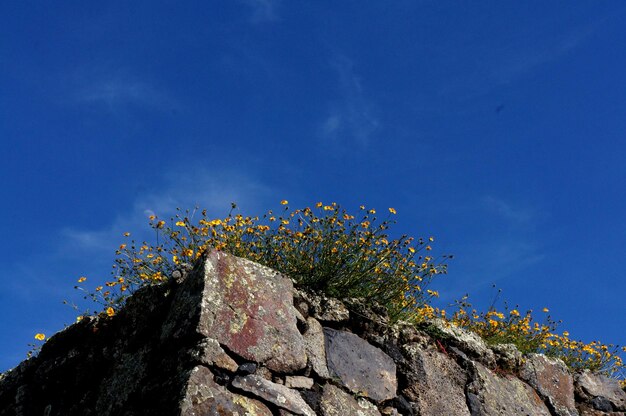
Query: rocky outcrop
point(231, 337)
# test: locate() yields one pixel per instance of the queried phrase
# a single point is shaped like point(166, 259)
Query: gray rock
point(361, 367)
point(435, 382)
point(323, 308)
point(406, 333)
point(490, 394)
point(508, 357)
point(277, 394)
point(468, 342)
point(336, 402)
point(211, 354)
point(246, 368)
point(299, 382)
point(203, 396)
point(315, 347)
point(552, 380)
point(597, 390)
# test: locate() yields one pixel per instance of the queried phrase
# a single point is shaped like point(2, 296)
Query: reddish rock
point(248, 308)
point(361, 367)
point(554, 383)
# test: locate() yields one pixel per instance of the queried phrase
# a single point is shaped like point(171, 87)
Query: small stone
point(246, 368)
point(211, 354)
point(299, 382)
point(323, 308)
point(468, 342)
point(277, 394)
point(508, 357)
point(390, 411)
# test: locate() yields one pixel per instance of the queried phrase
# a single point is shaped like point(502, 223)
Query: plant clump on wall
point(329, 250)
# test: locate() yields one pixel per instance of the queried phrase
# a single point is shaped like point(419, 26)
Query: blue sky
point(497, 127)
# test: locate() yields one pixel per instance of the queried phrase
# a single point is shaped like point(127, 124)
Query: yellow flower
point(40, 337)
point(110, 311)
point(180, 224)
point(152, 217)
point(392, 210)
point(431, 239)
point(328, 208)
point(79, 318)
point(160, 224)
point(122, 247)
point(126, 234)
point(546, 310)
point(81, 279)
point(319, 205)
point(411, 250)
point(284, 202)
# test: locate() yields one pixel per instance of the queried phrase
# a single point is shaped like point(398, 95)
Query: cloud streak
point(506, 210)
point(199, 187)
point(353, 115)
point(263, 10)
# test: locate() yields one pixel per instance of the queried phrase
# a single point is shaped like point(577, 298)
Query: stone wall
point(233, 337)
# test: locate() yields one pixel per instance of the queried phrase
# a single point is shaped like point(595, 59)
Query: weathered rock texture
point(232, 337)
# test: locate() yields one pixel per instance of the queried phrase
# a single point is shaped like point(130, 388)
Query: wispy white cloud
point(502, 63)
point(263, 10)
point(122, 92)
point(507, 210)
point(484, 263)
point(211, 190)
point(352, 116)
point(503, 244)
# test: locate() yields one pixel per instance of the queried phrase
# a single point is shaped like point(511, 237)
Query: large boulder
point(553, 381)
point(246, 307)
point(491, 394)
point(600, 392)
point(435, 383)
point(360, 367)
